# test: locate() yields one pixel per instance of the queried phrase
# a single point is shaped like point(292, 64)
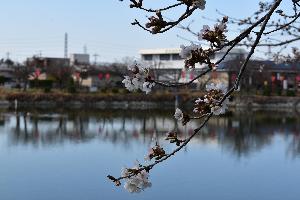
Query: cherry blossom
point(186, 51)
point(139, 81)
point(216, 86)
point(178, 114)
point(200, 4)
point(203, 31)
point(215, 108)
point(215, 34)
point(138, 181)
point(147, 87)
point(218, 110)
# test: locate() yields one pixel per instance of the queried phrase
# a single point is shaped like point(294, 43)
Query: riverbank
point(266, 102)
point(123, 100)
point(126, 100)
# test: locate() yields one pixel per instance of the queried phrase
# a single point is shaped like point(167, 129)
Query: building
point(260, 76)
point(48, 62)
point(167, 63)
point(48, 69)
point(170, 59)
point(263, 76)
point(169, 66)
point(101, 77)
point(79, 59)
point(7, 73)
point(162, 58)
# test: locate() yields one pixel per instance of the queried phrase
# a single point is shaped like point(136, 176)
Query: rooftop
point(160, 51)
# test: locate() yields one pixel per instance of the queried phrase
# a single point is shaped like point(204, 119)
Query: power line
point(85, 49)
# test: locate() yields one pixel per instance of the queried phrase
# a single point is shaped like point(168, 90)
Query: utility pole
point(7, 55)
point(95, 57)
point(66, 45)
point(85, 49)
point(269, 52)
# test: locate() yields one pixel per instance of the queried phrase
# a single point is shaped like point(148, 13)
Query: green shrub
point(104, 90)
point(71, 86)
point(124, 91)
point(290, 93)
point(41, 83)
point(115, 90)
point(279, 91)
point(47, 89)
point(2, 80)
point(267, 91)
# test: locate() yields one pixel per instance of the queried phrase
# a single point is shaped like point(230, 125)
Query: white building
point(169, 62)
point(169, 58)
point(166, 62)
point(162, 58)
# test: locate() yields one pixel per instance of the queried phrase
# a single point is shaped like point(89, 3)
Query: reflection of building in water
point(239, 134)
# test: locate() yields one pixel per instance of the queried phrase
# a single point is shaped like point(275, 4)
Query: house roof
point(263, 65)
point(160, 51)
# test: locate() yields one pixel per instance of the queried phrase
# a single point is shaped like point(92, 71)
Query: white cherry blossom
point(147, 87)
point(216, 86)
point(178, 114)
point(204, 30)
point(218, 109)
point(186, 51)
point(128, 83)
point(221, 26)
point(124, 172)
point(139, 79)
point(138, 182)
point(133, 67)
point(200, 4)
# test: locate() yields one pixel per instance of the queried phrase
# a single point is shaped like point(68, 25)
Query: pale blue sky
point(31, 26)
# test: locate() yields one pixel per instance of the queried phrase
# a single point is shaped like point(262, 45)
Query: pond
point(67, 154)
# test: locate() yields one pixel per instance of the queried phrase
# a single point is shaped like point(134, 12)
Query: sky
point(37, 27)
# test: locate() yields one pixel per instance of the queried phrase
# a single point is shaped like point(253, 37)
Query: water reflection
point(240, 134)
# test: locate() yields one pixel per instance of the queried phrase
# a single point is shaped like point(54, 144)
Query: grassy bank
point(58, 97)
point(65, 97)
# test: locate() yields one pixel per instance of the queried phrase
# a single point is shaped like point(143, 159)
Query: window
point(148, 57)
point(176, 57)
point(164, 57)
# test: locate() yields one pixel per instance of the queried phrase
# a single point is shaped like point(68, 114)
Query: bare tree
point(22, 74)
point(61, 74)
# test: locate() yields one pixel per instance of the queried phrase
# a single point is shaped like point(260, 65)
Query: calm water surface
point(67, 154)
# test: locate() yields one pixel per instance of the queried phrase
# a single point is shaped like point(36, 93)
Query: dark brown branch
point(284, 25)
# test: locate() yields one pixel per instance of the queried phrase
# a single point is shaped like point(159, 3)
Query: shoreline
point(140, 101)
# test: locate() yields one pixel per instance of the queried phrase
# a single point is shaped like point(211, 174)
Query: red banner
point(273, 78)
point(183, 74)
point(100, 76)
point(37, 72)
point(107, 76)
point(77, 75)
